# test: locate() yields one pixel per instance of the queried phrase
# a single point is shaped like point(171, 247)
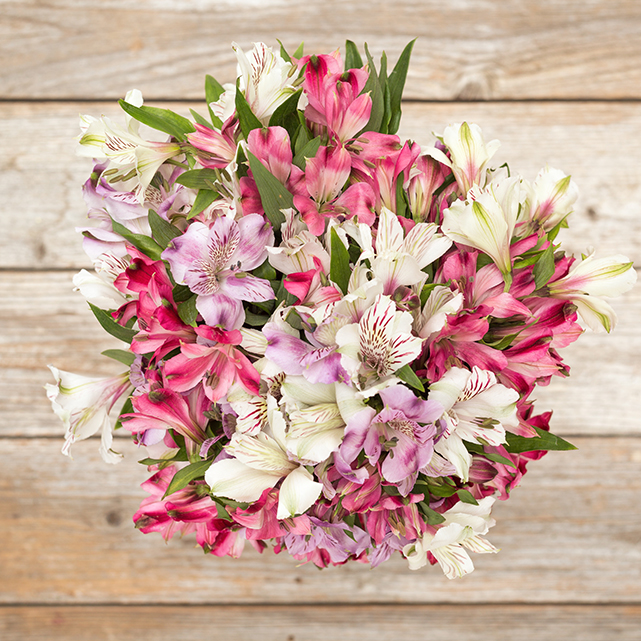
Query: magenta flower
point(215, 264)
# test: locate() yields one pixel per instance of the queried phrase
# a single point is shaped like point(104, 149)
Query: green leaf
point(466, 497)
point(491, 456)
point(120, 355)
point(184, 477)
point(407, 375)
point(287, 108)
point(273, 194)
point(187, 311)
point(204, 198)
point(111, 327)
point(127, 408)
point(544, 268)
point(396, 83)
point(265, 271)
point(374, 87)
point(198, 179)
point(145, 244)
point(339, 270)
point(545, 441)
point(181, 293)
point(255, 320)
point(307, 151)
point(246, 118)
point(162, 231)
point(562, 224)
point(299, 52)
point(432, 516)
point(353, 58)
point(161, 119)
point(283, 52)
point(199, 119)
point(213, 91)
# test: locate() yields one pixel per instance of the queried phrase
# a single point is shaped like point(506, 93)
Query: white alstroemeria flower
point(130, 156)
point(399, 258)
point(265, 78)
point(380, 343)
point(259, 463)
point(83, 404)
point(551, 198)
point(469, 152)
point(486, 221)
point(592, 278)
point(432, 318)
point(297, 254)
point(477, 408)
point(316, 424)
point(98, 291)
point(462, 530)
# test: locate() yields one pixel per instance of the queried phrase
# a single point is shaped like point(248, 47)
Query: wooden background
point(557, 81)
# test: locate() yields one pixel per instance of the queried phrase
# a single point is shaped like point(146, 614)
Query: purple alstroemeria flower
point(405, 419)
point(214, 262)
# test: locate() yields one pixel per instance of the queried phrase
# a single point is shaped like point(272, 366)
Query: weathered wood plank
point(43, 321)
point(320, 622)
point(41, 177)
point(497, 49)
point(570, 534)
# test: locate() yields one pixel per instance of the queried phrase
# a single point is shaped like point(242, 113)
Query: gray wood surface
point(569, 534)
point(320, 622)
point(508, 49)
point(557, 81)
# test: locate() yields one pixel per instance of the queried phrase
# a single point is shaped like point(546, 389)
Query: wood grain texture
point(470, 50)
point(570, 534)
point(320, 622)
point(43, 321)
point(597, 143)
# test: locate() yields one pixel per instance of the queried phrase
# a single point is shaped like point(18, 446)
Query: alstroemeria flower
point(406, 421)
point(477, 409)
point(469, 154)
point(260, 462)
point(590, 279)
point(129, 154)
point(215, 361)
point(83, 404)
point(486, 221)
point(215, 264)
point(463, 530)
point(264, 78)
point(380, 344)
point(401, 258)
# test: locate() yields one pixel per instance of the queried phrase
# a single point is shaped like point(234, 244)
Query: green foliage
point(161, 119)
point(120, 355)
point(545, 441)
point(273, 194)
point(339, 270)
point(111, 327)
point(162, 231)
point(186, 475)
point(407, 375)
point(145, 244)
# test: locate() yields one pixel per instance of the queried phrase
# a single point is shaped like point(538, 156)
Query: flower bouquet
point(332, 336)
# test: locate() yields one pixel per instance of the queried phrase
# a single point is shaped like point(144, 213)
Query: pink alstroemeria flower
point(214, 359)
point(325, 176)
point(405, 420)
point(215, 264)
point(215, 149)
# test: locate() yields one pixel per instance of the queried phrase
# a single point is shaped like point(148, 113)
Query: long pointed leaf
point(111, 327)
point(145, 244)
point(339, 270)
point(182, 478)
point(353, 58)
point(162, 231)
point(246, 116)
point(545, 441)
point(374, 87)
point(396, 84)
point(161, 119)
point(273, 194)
